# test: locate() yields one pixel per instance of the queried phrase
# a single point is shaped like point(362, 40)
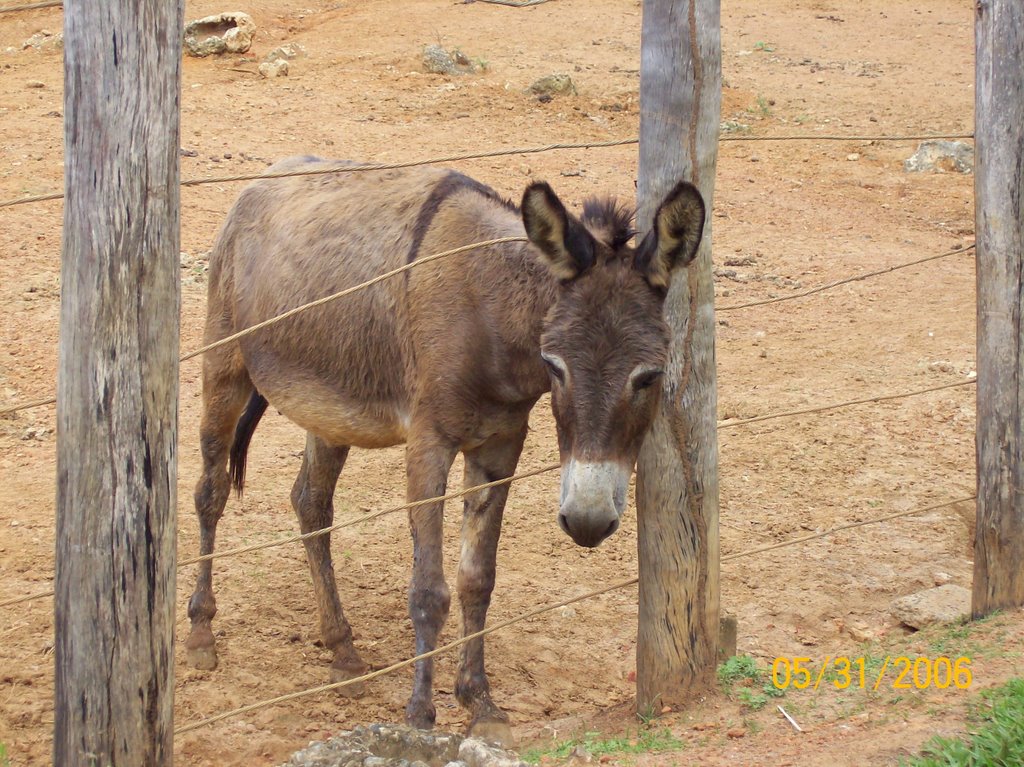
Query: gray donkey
point(448, 357)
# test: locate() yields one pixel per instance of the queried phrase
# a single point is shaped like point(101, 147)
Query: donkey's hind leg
point(313, 500)
point(226, 387)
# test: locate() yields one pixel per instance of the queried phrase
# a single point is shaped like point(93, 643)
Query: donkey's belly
point(335, 418)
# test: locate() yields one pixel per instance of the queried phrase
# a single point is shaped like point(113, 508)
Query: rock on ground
point(439, 61)
point(941, 157)
point(553, 85)
point(276, 68)
point(942, 604)
point(385, 745)
point(230, 32)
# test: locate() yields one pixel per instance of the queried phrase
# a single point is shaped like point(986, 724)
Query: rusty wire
point(540, 611)
point(341, 167)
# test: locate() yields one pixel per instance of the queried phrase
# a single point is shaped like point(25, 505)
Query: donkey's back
point(346, 371)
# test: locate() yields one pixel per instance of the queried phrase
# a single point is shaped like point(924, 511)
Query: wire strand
point(537, 612)
point(349, 168)
point(31, 6)
point(847, 280)
point(823, 408)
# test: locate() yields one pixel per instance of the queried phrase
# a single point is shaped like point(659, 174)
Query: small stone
point(941, 579)
point(35, 84)
point(941, 157)
point(853, 157)
point(44, 40)
point(230, 32)
point(440, 61)
point(736, 732)
point(437, 60)
point(859, 632)
point(277, 68)
point(553, 85)
point(287, 51)
point(943, 604)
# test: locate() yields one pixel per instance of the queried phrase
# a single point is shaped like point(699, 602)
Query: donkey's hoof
point(342, 672)
point(200, 648)
point(494, 731)
point(203, 658)
point(420, 715)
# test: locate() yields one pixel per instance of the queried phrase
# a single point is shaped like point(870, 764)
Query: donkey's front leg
point(428, 459)
point(481, 527)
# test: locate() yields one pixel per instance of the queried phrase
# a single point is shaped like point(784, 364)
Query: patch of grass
point(4, 761)
point(997, 742)
point(755, 701)
point(738, 668)
point(643, 742)
point(743, 670)
point(763, 46)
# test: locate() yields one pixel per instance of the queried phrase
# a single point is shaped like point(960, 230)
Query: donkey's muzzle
point(593, 500)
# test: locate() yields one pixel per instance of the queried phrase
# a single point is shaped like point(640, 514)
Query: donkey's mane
point(609, 218)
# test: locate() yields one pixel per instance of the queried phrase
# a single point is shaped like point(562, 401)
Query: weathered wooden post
point(677, 474)
point(999, 222)
point(118, 384)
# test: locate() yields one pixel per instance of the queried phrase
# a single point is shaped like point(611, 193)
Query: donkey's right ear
point(567, 247)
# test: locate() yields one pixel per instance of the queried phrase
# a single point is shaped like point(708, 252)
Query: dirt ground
point(787, 216)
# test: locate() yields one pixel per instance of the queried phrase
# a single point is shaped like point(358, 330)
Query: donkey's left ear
point(675, 235)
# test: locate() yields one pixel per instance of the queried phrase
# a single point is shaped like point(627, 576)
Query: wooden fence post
point(677, 473)
point(118, 384)
point(999, 223)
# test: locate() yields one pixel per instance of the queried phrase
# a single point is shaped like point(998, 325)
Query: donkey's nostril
point(611, 529)
point(563, 522)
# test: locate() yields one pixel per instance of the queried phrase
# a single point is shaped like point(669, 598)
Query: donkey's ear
point(567, 247)
point(675, 235)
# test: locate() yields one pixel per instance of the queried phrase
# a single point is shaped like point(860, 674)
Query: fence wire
point(534, 472)
point(542, 610)
point(847, 280)
point(9, 409)
point(31, 6)
point(362, 167)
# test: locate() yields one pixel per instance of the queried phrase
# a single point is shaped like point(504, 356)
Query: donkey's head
point(605, 342)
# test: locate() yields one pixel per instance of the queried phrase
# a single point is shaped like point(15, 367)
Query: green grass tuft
point(997, 742)
point(645, 741)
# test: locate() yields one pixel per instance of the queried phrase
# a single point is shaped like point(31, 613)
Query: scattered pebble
point(440, 61)
point(278, 68)
point(553, 85)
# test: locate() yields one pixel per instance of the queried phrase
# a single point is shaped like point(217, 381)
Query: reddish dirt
point(787, 215)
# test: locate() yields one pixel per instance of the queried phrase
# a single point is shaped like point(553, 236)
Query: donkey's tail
point(243, 435)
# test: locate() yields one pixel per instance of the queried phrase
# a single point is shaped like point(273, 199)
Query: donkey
point(449, 357)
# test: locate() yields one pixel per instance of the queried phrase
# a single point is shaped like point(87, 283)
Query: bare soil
point(788, 215)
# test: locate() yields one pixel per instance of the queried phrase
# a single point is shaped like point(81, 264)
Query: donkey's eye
point(646, 379)
point(554, 367)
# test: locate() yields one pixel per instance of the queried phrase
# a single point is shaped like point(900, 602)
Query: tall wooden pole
point(999, 222)
point(118, 384)
point(677, 474)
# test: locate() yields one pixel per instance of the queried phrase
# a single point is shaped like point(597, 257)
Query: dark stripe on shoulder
point(445, 188)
